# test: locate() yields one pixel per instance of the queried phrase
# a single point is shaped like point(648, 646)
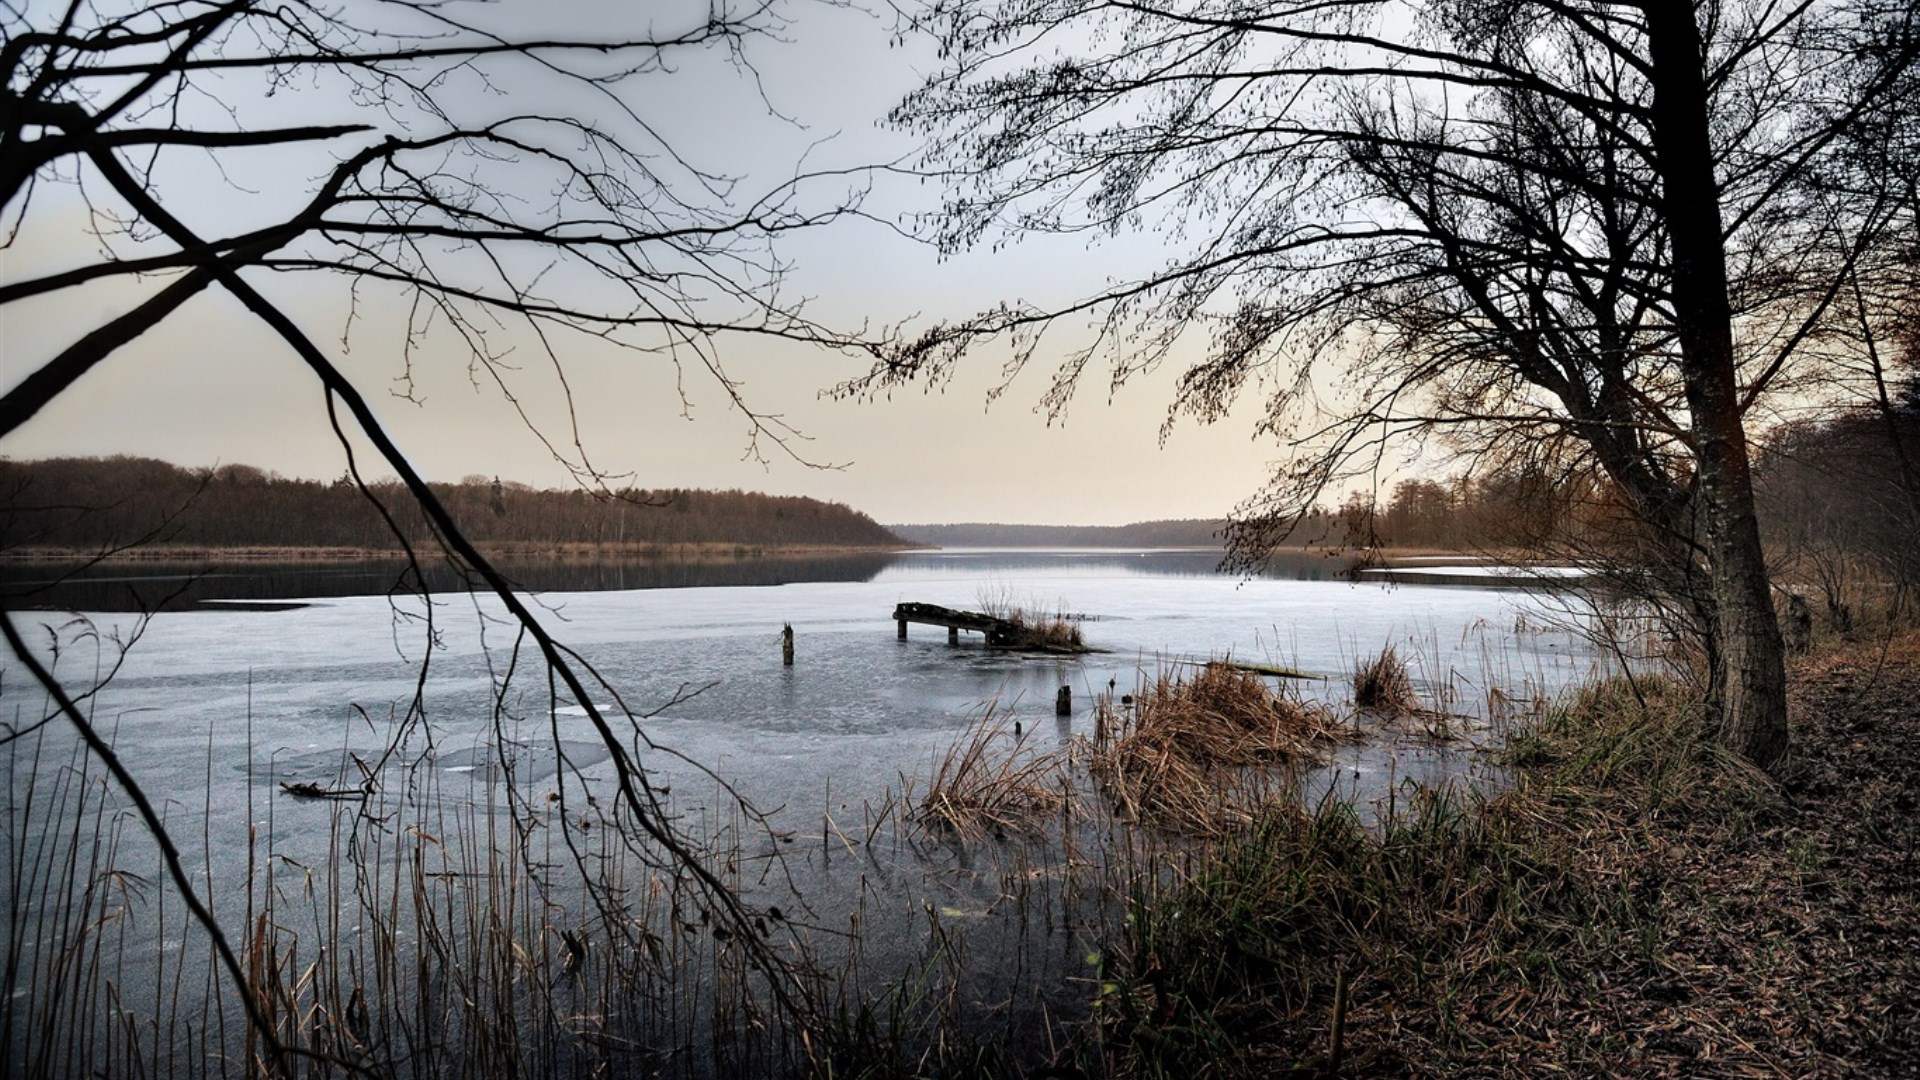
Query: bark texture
point(1749, 683)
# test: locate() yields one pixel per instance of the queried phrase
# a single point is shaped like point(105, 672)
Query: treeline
point(1185, 532)
point(1507, 509)
point(1500, 511)
point(1839, 506)
point(1837, 496)
point(99, 503)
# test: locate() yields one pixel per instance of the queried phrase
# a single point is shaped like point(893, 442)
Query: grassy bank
point(1635, 905)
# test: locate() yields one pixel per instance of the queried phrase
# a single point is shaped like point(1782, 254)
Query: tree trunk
point(1748, 688)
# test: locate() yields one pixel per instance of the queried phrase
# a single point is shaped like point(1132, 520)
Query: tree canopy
point(510, 175)
point(1599, 238)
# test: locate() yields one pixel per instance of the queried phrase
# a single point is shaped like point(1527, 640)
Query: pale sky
point(213, 386)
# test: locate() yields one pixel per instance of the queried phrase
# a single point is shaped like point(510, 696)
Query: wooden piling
point(953, 635)
point(903, 629)
point(786, 645)
point(1063, 702)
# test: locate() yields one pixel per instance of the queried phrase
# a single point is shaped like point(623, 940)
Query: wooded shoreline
point(715, 551)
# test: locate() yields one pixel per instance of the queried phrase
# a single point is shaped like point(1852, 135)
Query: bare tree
point(506, 178)
point(1590, 233)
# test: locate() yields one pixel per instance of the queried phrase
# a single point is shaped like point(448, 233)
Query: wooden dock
point(999, 632)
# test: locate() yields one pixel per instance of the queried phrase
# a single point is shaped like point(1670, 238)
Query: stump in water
point(786, 645)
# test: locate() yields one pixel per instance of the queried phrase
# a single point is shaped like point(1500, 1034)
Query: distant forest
point(1461, 515)
point(1186, 532)
point(1838, 497)
point(100, 503)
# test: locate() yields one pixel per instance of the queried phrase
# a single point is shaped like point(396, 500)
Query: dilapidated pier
point(1051, 635)
point(1000, 633)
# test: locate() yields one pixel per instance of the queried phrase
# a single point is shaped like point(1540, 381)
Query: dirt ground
point(1792, 947)
point(1804, 936)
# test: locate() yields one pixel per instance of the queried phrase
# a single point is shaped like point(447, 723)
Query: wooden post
point(1063, 702)
point(903, 629)
point(953, 635)
point(786, 645)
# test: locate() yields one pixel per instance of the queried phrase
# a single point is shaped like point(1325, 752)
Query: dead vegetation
point(1640, 903)
point(1046, 632)
point(1381, 683)
point(1194, 754)
point(989, 784)
point(1032, 627)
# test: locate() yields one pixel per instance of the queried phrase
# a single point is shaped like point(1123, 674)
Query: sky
point(213, 386)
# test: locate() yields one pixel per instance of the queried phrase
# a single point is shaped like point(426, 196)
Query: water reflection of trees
point(156, 585)
point(1303, 565)
point(153, 585)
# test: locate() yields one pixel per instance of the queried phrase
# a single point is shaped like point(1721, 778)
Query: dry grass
point(1032, 626)
point(1638, 903)
point(1456, 936)
point(430, 926)
point(990, 785)
point(1192, 753)
point(1381, 683)
point(1046, 632)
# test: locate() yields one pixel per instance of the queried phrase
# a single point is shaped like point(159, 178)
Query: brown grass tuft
point(1191, 753)
point(1040, 631)
point(988, 784)
point(1382, 683)
point(1033, 628)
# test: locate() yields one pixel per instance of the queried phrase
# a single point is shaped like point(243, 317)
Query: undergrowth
point(1460, 927)
point(1196, 754)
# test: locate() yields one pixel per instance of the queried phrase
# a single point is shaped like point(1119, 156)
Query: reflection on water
point(178, 586)
point(1098, 562)
point(164, 585)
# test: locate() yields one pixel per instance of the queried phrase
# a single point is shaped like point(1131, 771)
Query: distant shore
point(706, 551)
point(711, 551)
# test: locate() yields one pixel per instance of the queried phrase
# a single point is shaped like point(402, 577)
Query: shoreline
point(704, 551)
point(1389, 558)
point(1636, 904)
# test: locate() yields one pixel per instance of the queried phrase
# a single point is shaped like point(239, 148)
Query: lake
point(857, 708)
point(215, 708)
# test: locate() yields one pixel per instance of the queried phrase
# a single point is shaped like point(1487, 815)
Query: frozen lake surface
point(215, 709)
point(284, 695)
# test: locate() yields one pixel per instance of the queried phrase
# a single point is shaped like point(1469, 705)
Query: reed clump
point(1032, 627)
point(1046, 632)
point(1194, 754)
point(1381, 683)
point(1456, 927)
point(988, 784)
